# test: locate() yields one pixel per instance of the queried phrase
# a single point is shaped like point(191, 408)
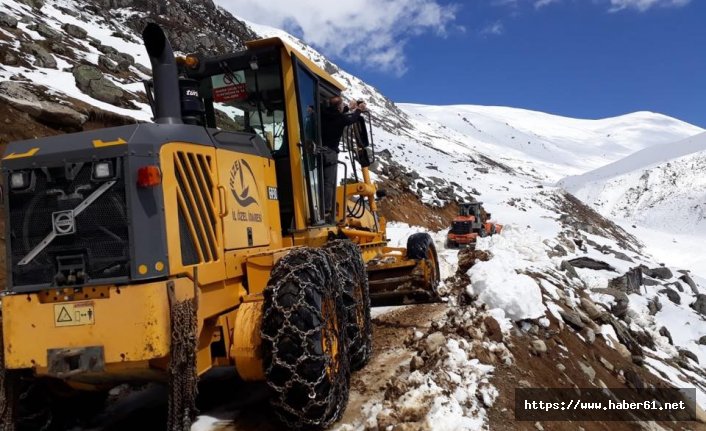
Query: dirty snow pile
point(446, 385)
point(497, 283)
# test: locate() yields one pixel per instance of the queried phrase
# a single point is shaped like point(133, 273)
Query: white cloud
point(643, 5)
point(497, 28)
point(541, 3)
point(370, 32)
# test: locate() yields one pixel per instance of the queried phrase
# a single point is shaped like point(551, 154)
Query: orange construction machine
point(472, 222)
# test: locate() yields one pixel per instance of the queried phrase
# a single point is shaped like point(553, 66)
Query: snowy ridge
point(510, 159)
point(661, 191)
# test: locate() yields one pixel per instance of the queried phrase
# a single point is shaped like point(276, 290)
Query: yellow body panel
point(131, 325)
point(180, 198)
point(249, 220)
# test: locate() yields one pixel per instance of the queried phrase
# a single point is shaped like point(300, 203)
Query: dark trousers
point(330, 172)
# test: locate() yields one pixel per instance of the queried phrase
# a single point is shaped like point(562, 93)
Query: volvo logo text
point(64, 222)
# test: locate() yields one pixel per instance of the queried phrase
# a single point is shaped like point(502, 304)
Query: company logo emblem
point(241, 180)
point(64, 222)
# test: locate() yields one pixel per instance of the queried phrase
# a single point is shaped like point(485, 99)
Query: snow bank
point(497, 282)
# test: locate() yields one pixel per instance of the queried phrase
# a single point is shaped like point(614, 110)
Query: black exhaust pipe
point(165, 75)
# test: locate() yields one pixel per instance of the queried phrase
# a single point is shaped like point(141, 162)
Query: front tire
point(421, 246)
point(304, 340)
point(348, 262)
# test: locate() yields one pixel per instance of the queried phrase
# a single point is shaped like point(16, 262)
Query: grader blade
point(400, 281)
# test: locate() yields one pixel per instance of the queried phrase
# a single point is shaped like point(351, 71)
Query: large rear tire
point(421, 246)
point(349, 265)
point(304, 340)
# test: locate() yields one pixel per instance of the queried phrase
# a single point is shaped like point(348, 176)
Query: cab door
point(308, 104)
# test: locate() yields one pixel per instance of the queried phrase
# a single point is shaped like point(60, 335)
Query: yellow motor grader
point(154, 252)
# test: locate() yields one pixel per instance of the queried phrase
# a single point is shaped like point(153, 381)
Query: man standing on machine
point(334, 119)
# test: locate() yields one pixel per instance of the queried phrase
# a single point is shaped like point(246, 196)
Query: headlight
point(19, 180)
point(102, 170)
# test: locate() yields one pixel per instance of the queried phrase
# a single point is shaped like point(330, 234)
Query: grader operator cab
point(158, 251)
point(471, 222)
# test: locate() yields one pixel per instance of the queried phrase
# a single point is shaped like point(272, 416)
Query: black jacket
point(332, 125)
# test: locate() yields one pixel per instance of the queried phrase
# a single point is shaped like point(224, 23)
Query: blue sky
point(579, 58)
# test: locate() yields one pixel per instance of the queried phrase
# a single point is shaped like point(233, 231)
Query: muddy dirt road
point(227, 403)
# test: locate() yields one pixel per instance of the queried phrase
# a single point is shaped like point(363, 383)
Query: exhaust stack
point(165, 75)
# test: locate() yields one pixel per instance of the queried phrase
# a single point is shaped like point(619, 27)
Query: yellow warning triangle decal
point(64, 316)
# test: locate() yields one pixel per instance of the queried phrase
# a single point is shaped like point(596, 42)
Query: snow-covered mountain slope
point(508, 158)
point(661, 187)
point(565, 144)
point(659, 192)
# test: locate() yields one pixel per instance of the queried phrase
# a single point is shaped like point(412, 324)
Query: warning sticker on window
point(229, 88)
point(74, 314)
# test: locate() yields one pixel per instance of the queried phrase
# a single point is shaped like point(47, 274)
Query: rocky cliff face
point(96, 54)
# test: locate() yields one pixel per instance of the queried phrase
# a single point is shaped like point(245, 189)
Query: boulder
point(589, 335)
point(24, 97)
point(629, 282)
point(416, 363)
point(42, 57)
point(626, 338)
point(146, 70)
point(688, 354)
point(8, 21)
point(11, 59)
point(700, 304)
point(661, 272)
point(75, 31)
point(633, 379)
point(590, 307)
point(96, 43)
point(434, 342)
point(92, 82)
point(108, 63)
point(608, 366)
point(665, 333)
point(123, 61)
point(672, 294)
point(648, 281)
point(570, 270)
point(572, 319)
point(676, 285)
point(588, 263)
point(622, 256)
point(58, 48)
point(702, 340)
point(46, 31)
point(620, 308)
point(37, 4)
point(558, 251)
point(654, 305)
point(538, 347)
point(690, 282)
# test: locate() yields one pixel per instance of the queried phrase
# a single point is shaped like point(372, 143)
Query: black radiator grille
point(99, 248)
point(461, 227)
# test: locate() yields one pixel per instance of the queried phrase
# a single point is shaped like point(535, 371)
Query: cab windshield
point(247, 100)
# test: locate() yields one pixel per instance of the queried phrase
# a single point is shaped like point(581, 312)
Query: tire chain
point(182, 375)
point(299, 277)
point(349, 265)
